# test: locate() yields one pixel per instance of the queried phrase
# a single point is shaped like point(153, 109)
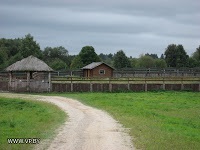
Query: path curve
point(87, 128)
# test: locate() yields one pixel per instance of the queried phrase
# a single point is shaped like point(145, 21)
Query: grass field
point(27, 119)
point(157, 120)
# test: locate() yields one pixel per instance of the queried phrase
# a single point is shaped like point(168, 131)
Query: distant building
point(98, 69)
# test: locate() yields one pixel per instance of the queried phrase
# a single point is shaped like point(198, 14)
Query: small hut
point(37, 75)
point(98, 69)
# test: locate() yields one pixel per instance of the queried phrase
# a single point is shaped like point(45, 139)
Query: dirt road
point(86, 129)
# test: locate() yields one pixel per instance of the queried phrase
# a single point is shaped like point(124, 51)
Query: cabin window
point(101, 71)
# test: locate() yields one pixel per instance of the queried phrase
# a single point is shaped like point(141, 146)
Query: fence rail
point(72, 84)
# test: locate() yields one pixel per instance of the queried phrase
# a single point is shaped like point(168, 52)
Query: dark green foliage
point(86, 56)
point(58, 64)
point(107, 58)
point(121, 60)
point(146, 61)
point(154, 56)
point(57, 57)
point(196, 56)
point(160, 63)
point(30, 47)
point(12, 50)
point(76, 63)
point(176, 56)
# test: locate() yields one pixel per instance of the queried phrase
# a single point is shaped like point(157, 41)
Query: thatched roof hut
point(30, 63)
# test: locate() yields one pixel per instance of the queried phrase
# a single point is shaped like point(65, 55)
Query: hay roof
point(30, 63)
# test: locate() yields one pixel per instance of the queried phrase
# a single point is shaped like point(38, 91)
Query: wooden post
point(110, 86)
point(10, 81)
point(182, 86)
point(128, 84)
point(49, 86)
point(163, 83)
point(91, 86)
point(71, 85)
point(28, 82)
point(145, 87)
point(199, 87)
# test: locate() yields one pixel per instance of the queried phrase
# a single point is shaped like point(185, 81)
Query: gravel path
point(86, 129)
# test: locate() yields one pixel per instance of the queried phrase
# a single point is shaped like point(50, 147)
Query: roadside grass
point(157, 120)
point(27, 119)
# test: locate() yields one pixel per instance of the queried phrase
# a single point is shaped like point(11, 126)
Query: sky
point(134, 26)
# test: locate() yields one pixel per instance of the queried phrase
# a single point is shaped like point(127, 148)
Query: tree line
point(12, 50)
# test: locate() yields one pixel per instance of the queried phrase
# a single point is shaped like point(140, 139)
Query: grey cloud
point(135, 26)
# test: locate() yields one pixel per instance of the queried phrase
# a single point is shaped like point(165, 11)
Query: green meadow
point(157, 120)
point(27, 119)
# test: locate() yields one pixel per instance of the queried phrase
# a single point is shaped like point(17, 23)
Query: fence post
point(128, 84)
point(199, 87)
point(182, 87)
point(163, 83)
point(91, 86)
point(145, 86)
point(49, 86)
point(71, 85)
point(10, 81)
point(110, 86)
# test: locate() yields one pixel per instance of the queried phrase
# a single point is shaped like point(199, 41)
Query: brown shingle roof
point(94, 65)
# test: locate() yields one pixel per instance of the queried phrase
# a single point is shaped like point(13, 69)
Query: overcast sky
point(135, 26)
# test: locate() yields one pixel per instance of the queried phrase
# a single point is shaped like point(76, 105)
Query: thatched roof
point(94, 65)
point(30, 63)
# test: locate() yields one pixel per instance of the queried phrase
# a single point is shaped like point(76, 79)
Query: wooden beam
point(49, 86)
point(28, 82)
point(10, 81)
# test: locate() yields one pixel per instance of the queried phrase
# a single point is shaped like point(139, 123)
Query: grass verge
point(157, 120)
point(27, 119)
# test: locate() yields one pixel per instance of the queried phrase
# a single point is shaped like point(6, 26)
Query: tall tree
point(146, 61)
point(88, 55)
point(57, 57)
point(76, 63)
point(121, 60)
point(176, 56)
point(154, 56)
point(160, 63)
point(30, 47)
point(196, 54)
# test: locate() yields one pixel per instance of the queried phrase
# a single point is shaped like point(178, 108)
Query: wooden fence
point(71, 84)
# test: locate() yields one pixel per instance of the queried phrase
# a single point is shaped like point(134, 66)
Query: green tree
point(154, 56)
point(107, 58)
point(160, 63)
point(30, 47)
point(58, 64)
point(57, 55)
point(76, 63)
point(134, 62)
point(15, 58)
point(121, 60)
point(192, 63)
point(196, 54)
point(88, 55)
point(3, 59)
point(146, 61)
point(176, 56)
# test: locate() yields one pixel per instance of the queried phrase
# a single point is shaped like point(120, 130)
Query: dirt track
point(86, 129)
